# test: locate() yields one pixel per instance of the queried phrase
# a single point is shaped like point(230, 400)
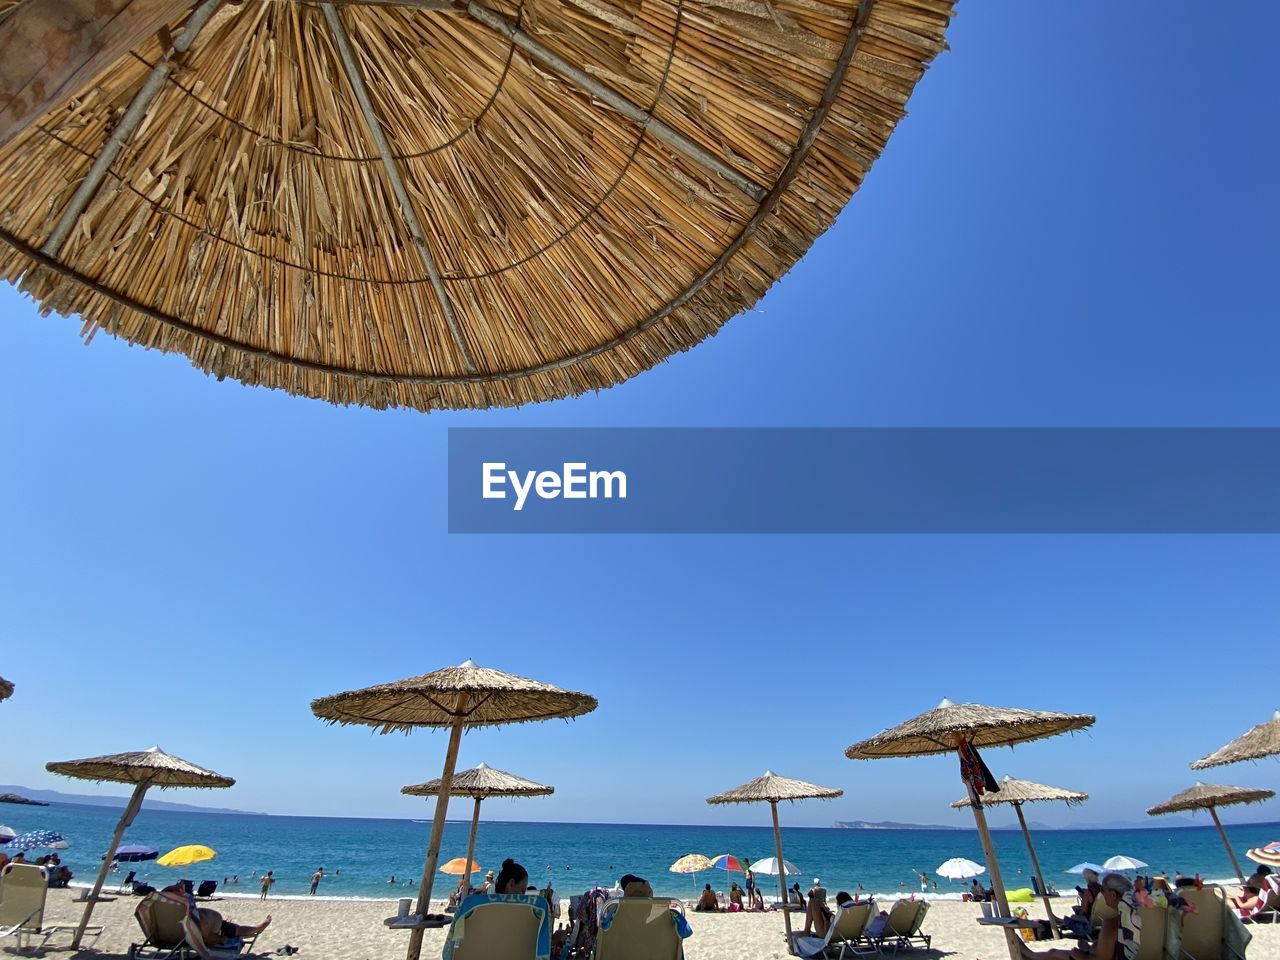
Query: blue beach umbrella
point(37, 840)
point(134, 853)
point(1082, 867)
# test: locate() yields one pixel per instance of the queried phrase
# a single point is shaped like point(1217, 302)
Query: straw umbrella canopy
point(456, 698)
point(773, 789)
point(962, 728)
point(6, 689)
point(436, 203)
point(144, 769)
point(479, 783)
point(1210, 796)
point(1254, 744)
point(1016, 793)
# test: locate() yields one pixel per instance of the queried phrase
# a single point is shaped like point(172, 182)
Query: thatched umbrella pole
point(782, 874)
point(471, 847)
point(1035, 866)
point(1239, 873)
point(143, 769)
point(437, 825)
point(126, 819)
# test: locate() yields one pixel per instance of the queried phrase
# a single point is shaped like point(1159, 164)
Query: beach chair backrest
point(641, 929)
point(161, 920)
point(497, 930)
point(902, 918)
point(1152, 925)
point(1202, 928)
point(852, 921)
point(22, 901)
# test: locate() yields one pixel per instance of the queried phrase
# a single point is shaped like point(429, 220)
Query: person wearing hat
point(488, 882)
point(1111, 943)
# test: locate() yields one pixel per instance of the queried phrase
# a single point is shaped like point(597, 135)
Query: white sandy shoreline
point(335, 929)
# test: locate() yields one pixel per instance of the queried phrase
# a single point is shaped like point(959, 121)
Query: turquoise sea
point(578, 856)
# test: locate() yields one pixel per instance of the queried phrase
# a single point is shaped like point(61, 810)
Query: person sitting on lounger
point(1108, 945)
point(1251, 893)
point(512, 878)
point(633, 886)
point(215, 930)
point(818, 915)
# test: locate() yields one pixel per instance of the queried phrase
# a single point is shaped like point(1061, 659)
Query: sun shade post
point(1213, 812)
point(1035, 866)
point(437, 826)
point(782, 875)
point(471, 848)
point(997, 881)
point(126, 818)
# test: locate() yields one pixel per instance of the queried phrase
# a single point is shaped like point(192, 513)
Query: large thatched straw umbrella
point(479, 784)
point(6, 689)
point(772, 789)
point(963, 728)
point(1210, 796)
point(456, 698)
point(1254, 744)
point(435, 203)
point(1016, 793)
point(144, 769)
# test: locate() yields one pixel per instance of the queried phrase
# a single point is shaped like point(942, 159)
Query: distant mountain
point(890, 825)
point(14, 798)
point(96, 800)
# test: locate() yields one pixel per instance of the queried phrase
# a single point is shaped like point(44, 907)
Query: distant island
point(889, 825)
point(44, 797)
point(14, 798)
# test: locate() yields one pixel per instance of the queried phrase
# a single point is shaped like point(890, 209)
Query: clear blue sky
point(1076, 225)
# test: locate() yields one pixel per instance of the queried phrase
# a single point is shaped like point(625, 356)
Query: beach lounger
point(640, 928)
point(902, 928)
point(845, 936)
point(206, 889)
point(1268, 908)
point(490, 926)
point(24, 888)
point(1212, 931)
point(169, 933)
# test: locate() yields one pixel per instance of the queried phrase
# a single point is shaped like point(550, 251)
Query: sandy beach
point(353, 930)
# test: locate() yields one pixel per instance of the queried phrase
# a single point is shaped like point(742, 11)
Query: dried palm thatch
point(153, 767)
point(144, 769)
point(1027, 791)
point(1206, 795)
point(480, 783)
point(433, 700)
point(1209, 796)
point(450, 203)
point(1254, 744)
point(941, 729)
point(6, 689)
point(771, 788)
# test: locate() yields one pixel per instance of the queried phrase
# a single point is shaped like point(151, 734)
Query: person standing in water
point(315, 880)
point(268, 881)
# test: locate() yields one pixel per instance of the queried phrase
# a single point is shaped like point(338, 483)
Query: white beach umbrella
point(1082, 867)
point(7, 833)
point(769, 867)
point(1121, 862)
point(958, 868)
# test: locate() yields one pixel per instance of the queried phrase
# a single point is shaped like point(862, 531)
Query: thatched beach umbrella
point(144, 769)
point(772, 789)
point(435, 203)
point(1254, 744)
point(1209, 796)
point(456, 698)
point(479, 783)
point(1016, 793)
point(962, 728)
point(6, 689)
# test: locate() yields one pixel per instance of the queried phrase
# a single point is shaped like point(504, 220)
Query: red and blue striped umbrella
point(1269, 855)
point(726, 862)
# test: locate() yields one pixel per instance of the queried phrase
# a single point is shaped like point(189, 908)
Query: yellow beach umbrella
point(691, 863)
point(187, 855)
point(458, 866)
